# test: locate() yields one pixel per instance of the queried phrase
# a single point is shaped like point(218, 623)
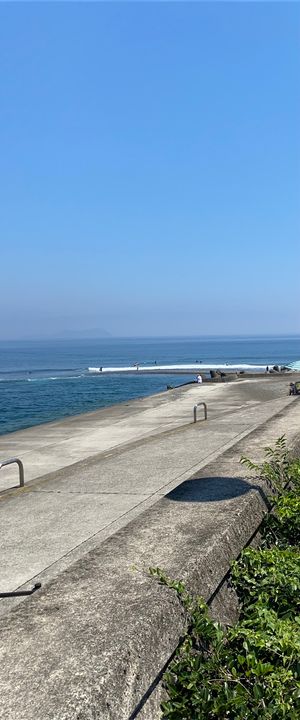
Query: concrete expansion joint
point(96, 493)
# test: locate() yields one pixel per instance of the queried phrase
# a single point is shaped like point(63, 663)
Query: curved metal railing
point(195, 410)
point(20, 465)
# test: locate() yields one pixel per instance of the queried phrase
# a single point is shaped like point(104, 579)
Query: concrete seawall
point(91, 642)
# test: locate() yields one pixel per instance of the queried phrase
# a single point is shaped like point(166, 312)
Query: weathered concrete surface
point(56, 518)
point(89, 645)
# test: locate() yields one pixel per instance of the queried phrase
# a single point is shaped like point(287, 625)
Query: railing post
point(21, 471)
point(195, 410)
point(20, 465)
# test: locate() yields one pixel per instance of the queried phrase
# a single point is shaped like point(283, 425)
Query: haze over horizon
point(90, 336)
point(150, 169)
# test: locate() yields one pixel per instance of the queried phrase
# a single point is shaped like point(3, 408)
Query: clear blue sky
point(150, 159)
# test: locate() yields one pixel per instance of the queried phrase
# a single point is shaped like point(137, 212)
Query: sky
point(150, 167)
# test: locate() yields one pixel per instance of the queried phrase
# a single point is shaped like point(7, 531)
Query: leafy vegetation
point(268, 578)
point(250, 671)
point(275, 469)
point(282, 527)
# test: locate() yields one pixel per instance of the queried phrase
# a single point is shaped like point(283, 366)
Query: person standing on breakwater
point(199, 379)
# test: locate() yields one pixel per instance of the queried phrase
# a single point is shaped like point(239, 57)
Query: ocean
point(42, 381)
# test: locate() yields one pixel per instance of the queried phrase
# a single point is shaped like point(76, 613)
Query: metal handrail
point(21, 468)
point(195, 410)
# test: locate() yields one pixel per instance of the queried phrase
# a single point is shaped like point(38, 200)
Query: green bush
point(294, 474)
point(268, 639)
point(269, 578)
point(282, 526)
point(246, 672)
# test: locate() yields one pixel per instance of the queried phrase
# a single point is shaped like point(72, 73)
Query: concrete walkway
point(93, 641)
point(53, 446)
point(118, 463)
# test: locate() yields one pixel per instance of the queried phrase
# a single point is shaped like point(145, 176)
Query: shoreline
point(52, 446)
point(229, 378)
point(104, 408)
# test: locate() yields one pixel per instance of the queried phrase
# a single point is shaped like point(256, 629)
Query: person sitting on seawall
point(199, 379)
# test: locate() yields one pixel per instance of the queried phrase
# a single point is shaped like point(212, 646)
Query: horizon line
point(148, 337)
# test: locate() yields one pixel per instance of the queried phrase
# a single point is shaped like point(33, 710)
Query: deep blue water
point(43, 381)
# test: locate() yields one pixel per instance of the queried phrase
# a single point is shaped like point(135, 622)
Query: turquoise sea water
point(47, 380)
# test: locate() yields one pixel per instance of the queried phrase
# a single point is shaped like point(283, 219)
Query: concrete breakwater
point(182, 369)
point(98, 633)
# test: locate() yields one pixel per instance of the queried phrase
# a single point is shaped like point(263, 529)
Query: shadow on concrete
point(213, 489)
